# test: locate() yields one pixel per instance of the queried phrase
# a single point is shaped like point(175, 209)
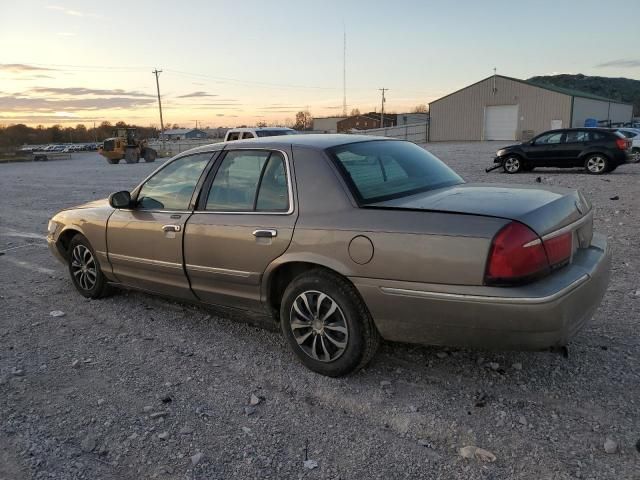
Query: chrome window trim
point(403, 292)
point(289, 187)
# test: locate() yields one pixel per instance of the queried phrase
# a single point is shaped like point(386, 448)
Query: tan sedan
point(345, 240)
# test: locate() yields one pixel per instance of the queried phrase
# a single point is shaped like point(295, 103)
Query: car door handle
point(265, 233)
point(171, 228)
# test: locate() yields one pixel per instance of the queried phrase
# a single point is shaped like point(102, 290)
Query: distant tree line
point(20, 134)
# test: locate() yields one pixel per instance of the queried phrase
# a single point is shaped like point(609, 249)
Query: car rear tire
point(84, 269)
point(512, 164)
point(635, 155)
point(596, 164)
point(327, 324)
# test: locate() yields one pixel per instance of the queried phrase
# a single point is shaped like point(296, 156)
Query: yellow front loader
point(125, 145)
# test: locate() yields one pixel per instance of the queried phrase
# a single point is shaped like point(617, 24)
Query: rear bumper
point(540, 315)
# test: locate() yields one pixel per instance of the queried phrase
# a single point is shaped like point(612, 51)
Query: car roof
point(317, 141)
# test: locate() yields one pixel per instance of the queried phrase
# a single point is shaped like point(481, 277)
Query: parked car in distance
point(258, 132)
point(597, 150)
point(632, 134)
point(345, 240)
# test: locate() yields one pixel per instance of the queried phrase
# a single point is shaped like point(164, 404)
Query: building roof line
point(563, 91)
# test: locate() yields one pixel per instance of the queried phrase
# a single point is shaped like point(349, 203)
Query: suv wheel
point(596, 164)
point(635, 155)
point(84, 269)
point(327, 324)
point(512, 164)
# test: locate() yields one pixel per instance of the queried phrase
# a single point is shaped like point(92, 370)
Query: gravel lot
point(135, 386)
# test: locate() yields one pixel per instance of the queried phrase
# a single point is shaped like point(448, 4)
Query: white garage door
point(501, 122)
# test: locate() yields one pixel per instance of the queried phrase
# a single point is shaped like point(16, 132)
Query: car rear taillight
point(622, 143)
point(518, 255)
point(559, 248)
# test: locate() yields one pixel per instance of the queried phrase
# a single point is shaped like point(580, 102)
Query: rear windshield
point(274, 133)
point(384, 169)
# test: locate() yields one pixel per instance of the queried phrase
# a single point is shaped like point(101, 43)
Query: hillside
point(621, 89)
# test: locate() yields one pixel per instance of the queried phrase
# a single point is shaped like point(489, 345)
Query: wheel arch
point(64, 239)
point(280, 273)
point(589, 152)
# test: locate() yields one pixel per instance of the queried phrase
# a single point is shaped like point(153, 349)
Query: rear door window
point(233, 136)
point(248, 181)
point(577, 137)
point(248, 135)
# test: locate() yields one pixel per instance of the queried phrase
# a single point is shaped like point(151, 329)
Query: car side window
point(247, 135)
point(249, 180)
point(575, 137)
point(233, 136)
point(550, 139)
point(595, 136)
point(172, 187)
point(273, 194)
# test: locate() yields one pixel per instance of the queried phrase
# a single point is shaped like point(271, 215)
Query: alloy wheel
point(319, 326)
point(596, 164)
point(83, 267)
point(512, 164)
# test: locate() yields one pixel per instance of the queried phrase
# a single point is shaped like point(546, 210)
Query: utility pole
point(344, 73)
point(95, 134)
point(382, 109)
point(196, 123)
point(156, 72)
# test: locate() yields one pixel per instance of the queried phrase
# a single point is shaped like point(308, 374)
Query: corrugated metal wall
point(460, 116)
point(584, 108)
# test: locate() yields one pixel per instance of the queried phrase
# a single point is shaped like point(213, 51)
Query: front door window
point(172, 187)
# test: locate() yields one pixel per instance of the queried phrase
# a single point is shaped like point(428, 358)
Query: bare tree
point(354, 112)
point(304, 121)
point(422, 108)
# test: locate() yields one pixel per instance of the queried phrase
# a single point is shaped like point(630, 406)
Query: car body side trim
point(486, 299)
point(220, 271)
point(144, 261)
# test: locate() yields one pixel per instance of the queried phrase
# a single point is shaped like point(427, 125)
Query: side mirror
point(120, 199)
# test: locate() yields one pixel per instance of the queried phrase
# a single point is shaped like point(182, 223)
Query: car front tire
point(84, 269)
point(512, 164)
point(327, 324)
point(596, 164)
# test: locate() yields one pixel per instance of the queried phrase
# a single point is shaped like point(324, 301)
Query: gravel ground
point(135, 386)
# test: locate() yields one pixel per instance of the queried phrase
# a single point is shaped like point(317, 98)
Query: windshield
point(274, 133)
point(381, 169)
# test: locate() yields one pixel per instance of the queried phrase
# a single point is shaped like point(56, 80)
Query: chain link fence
point(172, 148)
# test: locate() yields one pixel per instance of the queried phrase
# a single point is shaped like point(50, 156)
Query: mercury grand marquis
point(346, 240)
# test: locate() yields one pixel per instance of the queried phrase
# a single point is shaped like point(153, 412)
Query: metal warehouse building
point(504, 108)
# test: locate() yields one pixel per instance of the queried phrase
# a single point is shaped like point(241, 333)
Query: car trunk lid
point(544, 210)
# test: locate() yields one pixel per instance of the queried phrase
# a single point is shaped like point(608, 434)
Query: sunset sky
point(227, 63)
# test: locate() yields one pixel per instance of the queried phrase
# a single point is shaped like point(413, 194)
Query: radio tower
point(344, 72)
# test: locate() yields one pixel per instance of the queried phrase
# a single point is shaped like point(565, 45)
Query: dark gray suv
point(597, 150)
